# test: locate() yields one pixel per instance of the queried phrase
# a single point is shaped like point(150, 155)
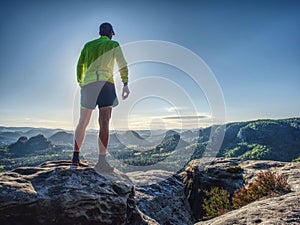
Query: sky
point(251, 48)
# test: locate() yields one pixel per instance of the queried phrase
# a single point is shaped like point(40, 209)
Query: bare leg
point(104, 117)
point(85, 116)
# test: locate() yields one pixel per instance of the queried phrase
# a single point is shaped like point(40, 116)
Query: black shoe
point(75, 159)
point(103, 166)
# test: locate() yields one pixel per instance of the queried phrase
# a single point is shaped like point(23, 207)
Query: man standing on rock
point(95, 77)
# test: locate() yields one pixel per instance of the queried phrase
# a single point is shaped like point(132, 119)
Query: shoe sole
point(80, 164)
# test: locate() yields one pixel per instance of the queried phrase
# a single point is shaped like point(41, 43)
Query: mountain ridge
point(262, 139)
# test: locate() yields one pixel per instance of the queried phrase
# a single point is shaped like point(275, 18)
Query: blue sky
point(252, 47)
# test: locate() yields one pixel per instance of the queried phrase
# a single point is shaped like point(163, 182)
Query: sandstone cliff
point(53, 193)
point(231, 174)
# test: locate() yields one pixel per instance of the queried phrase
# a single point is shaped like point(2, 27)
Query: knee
point(104, 125)
point(83, 123)
point(104, 122)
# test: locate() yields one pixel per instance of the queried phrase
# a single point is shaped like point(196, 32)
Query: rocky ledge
point(231, 174)
point(274, 211)
point(53, 194)
point(161, 196)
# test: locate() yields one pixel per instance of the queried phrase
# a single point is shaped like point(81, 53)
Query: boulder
point(231, 174)
point(54, 193)
point(202, 174)
point(252, 167)
point(280, 210)
point(160, 195)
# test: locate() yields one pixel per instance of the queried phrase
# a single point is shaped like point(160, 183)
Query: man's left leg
point(104, 118)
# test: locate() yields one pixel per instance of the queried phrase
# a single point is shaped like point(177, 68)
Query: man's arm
point(122, 64)
point(81, 68)
point(123, 69)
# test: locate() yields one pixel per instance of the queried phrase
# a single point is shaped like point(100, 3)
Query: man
point(95, 77)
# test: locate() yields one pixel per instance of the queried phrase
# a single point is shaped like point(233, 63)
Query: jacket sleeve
point(122, 64)
point(81, 67)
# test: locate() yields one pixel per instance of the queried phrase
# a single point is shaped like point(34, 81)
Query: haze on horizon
point(252, 47)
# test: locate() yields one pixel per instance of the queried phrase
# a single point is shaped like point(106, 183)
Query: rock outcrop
point(26, 146)
point(231, 174)
point(53, 193)
point(278, 211)
point(160, 195)
point(202, 174)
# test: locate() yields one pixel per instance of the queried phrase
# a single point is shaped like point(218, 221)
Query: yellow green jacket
point(96, 61)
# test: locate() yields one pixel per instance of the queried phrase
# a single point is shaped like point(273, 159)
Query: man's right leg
point(85, 116)
point(104, 117)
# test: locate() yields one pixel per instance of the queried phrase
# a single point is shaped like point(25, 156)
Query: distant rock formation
point(62, 138)
point(25, 145)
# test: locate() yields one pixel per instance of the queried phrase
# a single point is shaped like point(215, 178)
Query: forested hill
point(263, 139)
point(258, 140)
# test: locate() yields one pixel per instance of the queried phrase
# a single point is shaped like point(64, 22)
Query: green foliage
point(11, 161)
point(258, 152)
point(255, 140)
point(297, 160)
point(217, 202)
point(239, 150)
point(199, 149)
point(265, 184)
point(234, 169)
point(250, 151)
point(263, 139)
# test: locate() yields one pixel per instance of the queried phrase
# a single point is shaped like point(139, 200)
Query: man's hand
point(125, 92)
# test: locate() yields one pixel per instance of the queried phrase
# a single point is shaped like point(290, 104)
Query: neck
point(106, 36)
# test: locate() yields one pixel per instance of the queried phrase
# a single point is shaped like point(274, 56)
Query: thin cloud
point(185, 117)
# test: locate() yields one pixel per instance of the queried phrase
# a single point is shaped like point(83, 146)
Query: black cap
point(106, 29)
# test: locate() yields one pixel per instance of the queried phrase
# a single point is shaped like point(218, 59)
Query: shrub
point(217, 202)
point(297, 159)
point(265, 184)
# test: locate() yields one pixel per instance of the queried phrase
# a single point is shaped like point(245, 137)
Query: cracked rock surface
point(53, 193)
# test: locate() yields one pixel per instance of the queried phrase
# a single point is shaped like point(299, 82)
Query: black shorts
point(99, 93)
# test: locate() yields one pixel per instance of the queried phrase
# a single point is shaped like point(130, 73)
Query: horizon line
point(124, 129)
